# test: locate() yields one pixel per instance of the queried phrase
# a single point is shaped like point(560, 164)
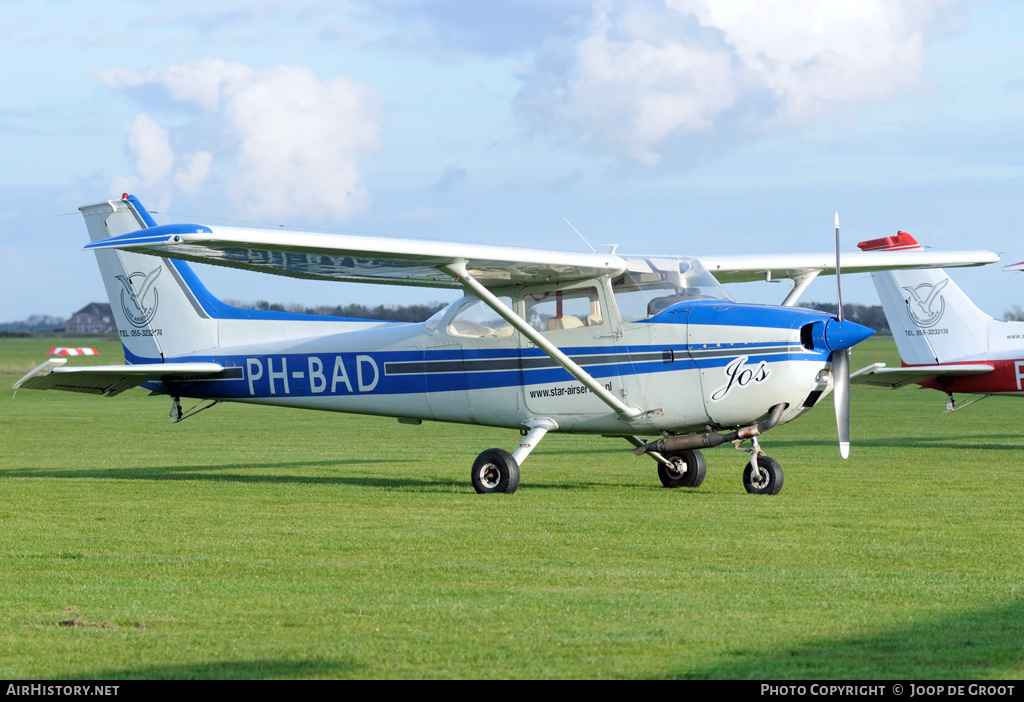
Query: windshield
point(642, 295)
point(474, 318)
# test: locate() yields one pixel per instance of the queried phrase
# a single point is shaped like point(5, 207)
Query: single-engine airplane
point(945, 342)
point(595, 343)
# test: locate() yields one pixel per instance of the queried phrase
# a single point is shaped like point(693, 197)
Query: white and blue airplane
point(594, 343)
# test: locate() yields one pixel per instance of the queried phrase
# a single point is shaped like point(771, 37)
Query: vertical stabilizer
point(156, 313)
point(931, 318)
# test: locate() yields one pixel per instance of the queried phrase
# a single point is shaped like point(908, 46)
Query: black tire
point(771, 477)
point(696, 470)
point(495, 470)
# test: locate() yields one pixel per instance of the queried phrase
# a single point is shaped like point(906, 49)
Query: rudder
point(156, 314)
point(932, 319)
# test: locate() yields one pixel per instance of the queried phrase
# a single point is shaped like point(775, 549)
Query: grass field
point(251, 542)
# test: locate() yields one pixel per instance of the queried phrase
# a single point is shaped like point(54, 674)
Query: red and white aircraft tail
point(945, 341)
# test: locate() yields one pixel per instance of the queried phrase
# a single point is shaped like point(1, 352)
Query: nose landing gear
point(763, 475)
point(681, 464)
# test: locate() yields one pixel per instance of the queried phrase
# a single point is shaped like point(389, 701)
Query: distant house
point(94, 318)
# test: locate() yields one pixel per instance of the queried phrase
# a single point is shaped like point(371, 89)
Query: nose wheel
point(766, 480)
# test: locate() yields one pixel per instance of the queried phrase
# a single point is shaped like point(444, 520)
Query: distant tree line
point(1014, 314)
point(35, 323)
point(871, 316)
point(390, 313)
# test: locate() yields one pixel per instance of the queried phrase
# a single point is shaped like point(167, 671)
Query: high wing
point(346, 257)
point(109, 380)
point(803, 268)
point(746, 268)
point(878, 374)
point(355, 258)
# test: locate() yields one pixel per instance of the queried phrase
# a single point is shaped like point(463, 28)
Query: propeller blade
point(841, 394)
point(839, 289)
point(841, 369)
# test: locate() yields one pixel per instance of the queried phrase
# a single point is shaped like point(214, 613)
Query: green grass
point(263, 543)
point(19, 355)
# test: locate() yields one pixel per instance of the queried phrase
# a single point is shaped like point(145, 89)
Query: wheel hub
point(677, 469)
point(759, 479)
point(489, 476)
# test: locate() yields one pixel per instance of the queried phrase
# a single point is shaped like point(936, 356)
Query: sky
point(682, 127)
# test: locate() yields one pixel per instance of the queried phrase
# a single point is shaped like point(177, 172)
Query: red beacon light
point(902, 241)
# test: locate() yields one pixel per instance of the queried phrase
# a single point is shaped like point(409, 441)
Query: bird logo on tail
point(134, 294)
point(921, 301)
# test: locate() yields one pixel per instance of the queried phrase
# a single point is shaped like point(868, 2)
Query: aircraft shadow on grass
point(240, 472)
point(981, 644)
point(216, 473)
point(989, 442)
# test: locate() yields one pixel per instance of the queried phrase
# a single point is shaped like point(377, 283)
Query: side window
point(632, 304)
point(476, 319)
point(564, 309)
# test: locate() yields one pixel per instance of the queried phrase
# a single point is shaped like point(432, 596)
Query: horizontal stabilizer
point(108, 380)
point(878, 374)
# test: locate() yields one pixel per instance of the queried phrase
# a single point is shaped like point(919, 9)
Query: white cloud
point(820, 56)
point(194, 169)
point(154, 158)
point(299, 139)
point(647, 74)
point(155, 163)
point(292, 139)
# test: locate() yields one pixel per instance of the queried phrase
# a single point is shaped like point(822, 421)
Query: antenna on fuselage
point(579, 235)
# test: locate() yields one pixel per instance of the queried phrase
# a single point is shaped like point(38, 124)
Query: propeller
point(841, 369)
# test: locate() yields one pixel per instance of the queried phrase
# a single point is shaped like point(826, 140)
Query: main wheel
point(770, 480)
point(688, 470)
point(495, 470)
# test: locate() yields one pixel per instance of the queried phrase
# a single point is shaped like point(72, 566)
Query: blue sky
point(674, 126)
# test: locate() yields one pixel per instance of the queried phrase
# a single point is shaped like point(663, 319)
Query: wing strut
point(800, 283)
point(458, 271)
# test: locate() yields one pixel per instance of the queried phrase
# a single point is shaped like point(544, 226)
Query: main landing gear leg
point(763, 475)
point(679, 468)
point(686, 469)
point(497, 470)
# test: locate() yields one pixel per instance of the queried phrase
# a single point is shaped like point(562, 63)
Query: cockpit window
point(476, 319)
point(640, 295)
point(435, 318)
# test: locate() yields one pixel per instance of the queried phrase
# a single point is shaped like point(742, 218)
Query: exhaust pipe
point(672, 444)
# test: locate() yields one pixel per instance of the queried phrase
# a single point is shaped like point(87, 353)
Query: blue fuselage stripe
point(405, 372)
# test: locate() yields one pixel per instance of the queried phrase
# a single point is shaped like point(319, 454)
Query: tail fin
point(157, 314)
point(931, 318)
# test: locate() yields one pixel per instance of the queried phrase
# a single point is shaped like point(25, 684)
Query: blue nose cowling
point(843, 335)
